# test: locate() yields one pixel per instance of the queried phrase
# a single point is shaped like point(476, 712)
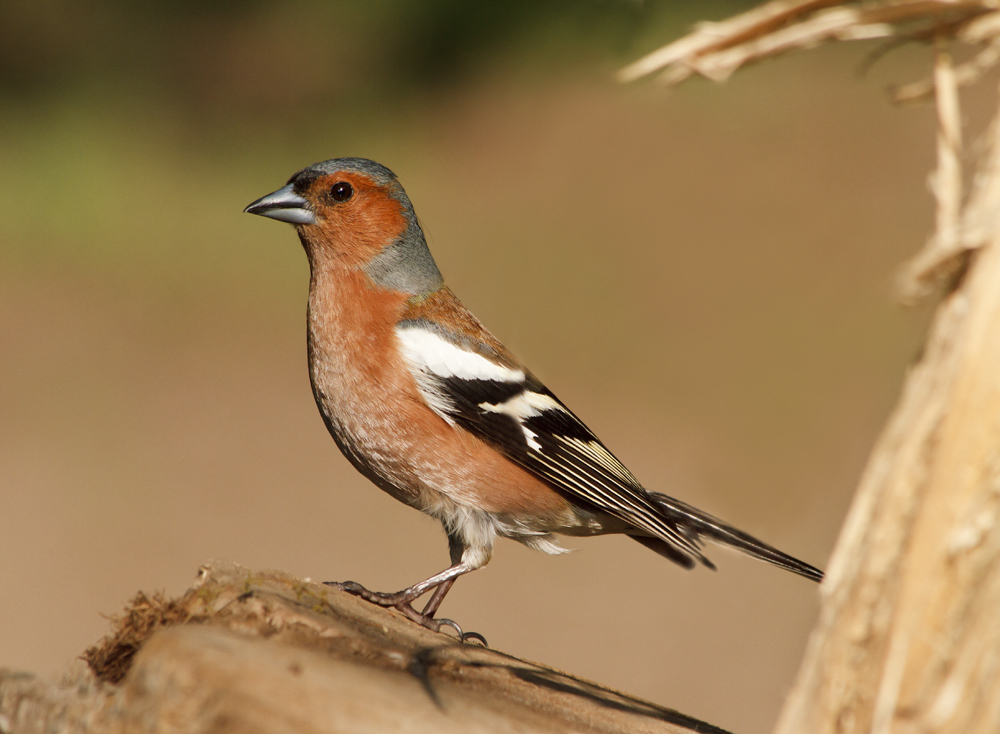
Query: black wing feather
point(570, 458)
point(607, 486)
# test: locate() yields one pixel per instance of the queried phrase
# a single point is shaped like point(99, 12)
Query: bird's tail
point(700, 525)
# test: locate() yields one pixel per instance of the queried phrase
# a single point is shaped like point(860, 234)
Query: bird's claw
point(401, 602)
point(470, 637)
point(467, 637)
point(449, 623)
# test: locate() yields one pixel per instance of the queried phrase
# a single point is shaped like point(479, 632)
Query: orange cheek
point(359, 230)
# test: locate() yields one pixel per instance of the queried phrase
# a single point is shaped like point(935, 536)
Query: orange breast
point(373, 404)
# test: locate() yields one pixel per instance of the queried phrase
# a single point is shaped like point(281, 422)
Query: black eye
point(341, 191)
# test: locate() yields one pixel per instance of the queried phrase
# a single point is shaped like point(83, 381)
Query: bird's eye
point(341, 191)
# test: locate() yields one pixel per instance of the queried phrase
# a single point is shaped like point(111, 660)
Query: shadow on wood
point(263, 651)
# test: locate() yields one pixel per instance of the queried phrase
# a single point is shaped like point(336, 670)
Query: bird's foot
point(402, 602)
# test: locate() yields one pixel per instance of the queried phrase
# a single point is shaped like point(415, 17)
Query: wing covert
point(514, 412)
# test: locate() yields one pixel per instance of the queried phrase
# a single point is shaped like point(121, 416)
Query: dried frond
point(716, 50)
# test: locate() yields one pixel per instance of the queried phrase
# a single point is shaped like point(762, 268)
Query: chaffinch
point(428, 405)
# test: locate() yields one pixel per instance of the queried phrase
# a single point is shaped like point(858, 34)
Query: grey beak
point(285, 206)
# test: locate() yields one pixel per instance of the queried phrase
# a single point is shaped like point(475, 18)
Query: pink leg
point(437, 597)
point(403, 600)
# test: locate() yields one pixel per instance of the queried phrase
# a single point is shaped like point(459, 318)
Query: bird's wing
point(492, 397)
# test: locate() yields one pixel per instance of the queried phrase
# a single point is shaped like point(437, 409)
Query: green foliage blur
point(147, 118)
point(254, 57)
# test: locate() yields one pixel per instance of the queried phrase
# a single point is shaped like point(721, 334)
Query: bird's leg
point(456, 548)
point(432, 606)
point(402, 601)
point(437, 597)
point(407, 595)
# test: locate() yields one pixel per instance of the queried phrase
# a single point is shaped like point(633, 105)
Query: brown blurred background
point(703, 275)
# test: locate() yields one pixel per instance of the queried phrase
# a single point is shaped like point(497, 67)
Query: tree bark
point(909, 633)
point(264, 652)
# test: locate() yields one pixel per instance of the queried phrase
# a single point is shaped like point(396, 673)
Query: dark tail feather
point(668, 551)
point(711, 528)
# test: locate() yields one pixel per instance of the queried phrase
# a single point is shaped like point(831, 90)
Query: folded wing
point(489, 395)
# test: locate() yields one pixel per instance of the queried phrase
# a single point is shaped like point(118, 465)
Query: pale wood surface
point(247, 651)
point(909, 634)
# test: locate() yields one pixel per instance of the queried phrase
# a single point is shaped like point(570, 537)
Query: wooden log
point(244, 651)
point(909, 634)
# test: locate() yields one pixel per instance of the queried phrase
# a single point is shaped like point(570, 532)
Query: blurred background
point(704, 275)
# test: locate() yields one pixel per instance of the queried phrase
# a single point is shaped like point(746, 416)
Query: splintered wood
point(909, 633)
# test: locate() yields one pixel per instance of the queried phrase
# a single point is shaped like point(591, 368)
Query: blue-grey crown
point(406, 264)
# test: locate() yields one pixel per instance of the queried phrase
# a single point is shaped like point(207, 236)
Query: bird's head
point(355, 212)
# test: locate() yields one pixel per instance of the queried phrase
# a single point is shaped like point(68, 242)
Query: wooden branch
point(712, 37)
point(716, 50)
point(264, 652)
point(909, 634)
point(942, 256)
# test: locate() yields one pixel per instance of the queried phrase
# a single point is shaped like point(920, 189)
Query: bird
point(427, 404)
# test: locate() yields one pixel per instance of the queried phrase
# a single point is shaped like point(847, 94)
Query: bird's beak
point(285, 206)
